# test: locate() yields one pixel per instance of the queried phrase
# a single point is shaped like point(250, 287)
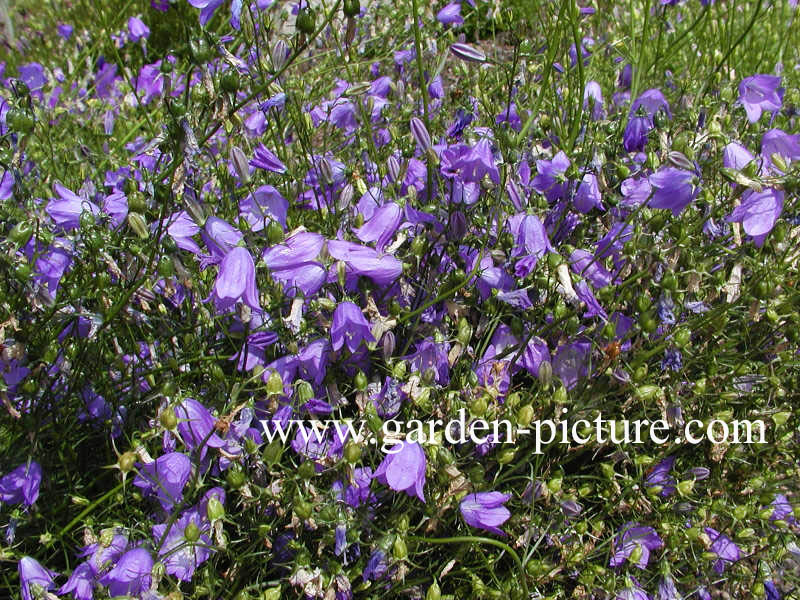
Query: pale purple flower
point(180, 556)
point(80, 583)
point(588, 195)
point(265, 204)
point(450, 14)
point(758, 213)
point(759, 93)
point(633, 536)
point(383, 269)
point(165, 478)
point(381, 226)
point(736, 156)
point(137, 30)
point(66, 210)
point(404, 470)
point(267, 160)
point(667, 590)
point(551, 178)
point(293, 263)
point(593, 94)
point(777, 141)
point(236, 281)
point(33, 577)
point(131, 575)
point(724, 548)
point(673, 189)
point(349, 327)
point(632, 593)
point(659, 475)
point(485, 510)
point(196, 426)
point(21, 486)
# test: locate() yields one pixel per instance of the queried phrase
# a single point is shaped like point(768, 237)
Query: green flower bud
point(168, 419)
point(399, 549)
point(352, 452)
point(274, 384)
point(127, 462)
point(525, 416)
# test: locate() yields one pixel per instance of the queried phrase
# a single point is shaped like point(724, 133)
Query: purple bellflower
point(131, 575)
point(236, 281)
point(404, 470)
point(672, 189)
point(631, 537)
point(485, 510)
point(33, 577)
point(724, 548)
point(349, 327)
point(758, 213)
point(21, 486)
point(759, 93)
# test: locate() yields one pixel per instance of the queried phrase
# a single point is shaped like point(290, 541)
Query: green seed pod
point(127, 461)
point(235, 478)
point(191, 533)
point(214, 509)
point(302, 508)
point(21, 233)
point(399, 549)
point(352, 452)
point(305, 21)
point(506, 456)
point(307, 470)
point(351, 8)
point(434, 592)
point(275, 234)
point(274, 384)
point(525, 416)
point(165, 266)
point(136, 222)
point(168, 419)
point(229, 82)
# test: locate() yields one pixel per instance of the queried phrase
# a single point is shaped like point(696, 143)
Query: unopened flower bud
point(215, 510)
point(468, 53)
point(274, 384)
point(138, 224)
point(240, 164)
point(420, 133)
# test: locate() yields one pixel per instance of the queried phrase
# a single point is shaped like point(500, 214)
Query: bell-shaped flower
point(759, 93)
point(66, 210)
point(34, 578)
point(165, 478)
point(381, 226)
point(631, 537)
point(294, 263)
point(404, 470)
point(21, 486)
point(672, 189)
point(236, 281)
point(725, 549)
point(485, 510)
point(196, 426)
point(349, 327)
point(758, 213)
point(383, 269)
point(265, 204)
point(131, 575)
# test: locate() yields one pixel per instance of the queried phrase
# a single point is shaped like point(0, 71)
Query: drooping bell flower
point(404, 470)
point(586, 265)
point(383, 269)
point(551, 178)
point(137, 30)
point(672, 189)
point(21, 486)
point(450, 14)
point(66, 210)
point(758, 213)
point(131, 575)
point(220, 238)
point(724, 548)
point(485, 510)
point(736, 156)
point(760, 93)
point(588, 195)
point(209, 7)
point(80, 583)
point(659, 476)
point(265, 204)
point(196, 426)
point(667, 589)
point(267, 160)
point(349, 327)
point(165, 478)
point(571, 362)
point(593, 94)
point(777, 141)
point(782, 509)
point(294, 263)
point(181, 555)
point(632, 592)
point(236, 281)
point(34, 578)
point(381, 226)
point(631, 537)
